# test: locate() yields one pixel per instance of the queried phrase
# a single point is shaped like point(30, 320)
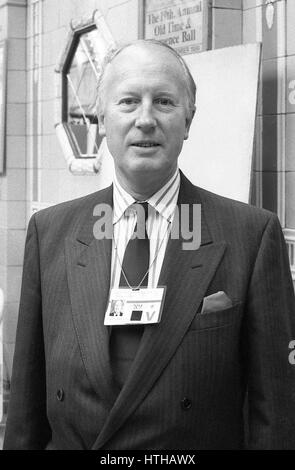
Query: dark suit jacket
point(192, 373)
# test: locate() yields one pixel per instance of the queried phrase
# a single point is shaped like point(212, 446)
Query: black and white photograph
point(147, 155)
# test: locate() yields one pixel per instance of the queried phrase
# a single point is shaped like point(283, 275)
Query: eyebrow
point(133, 92)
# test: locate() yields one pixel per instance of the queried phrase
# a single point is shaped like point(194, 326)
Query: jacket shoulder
point(225, 208)
point(66, 210)
point(238, 223)
point(67, 219)
point(221, 208)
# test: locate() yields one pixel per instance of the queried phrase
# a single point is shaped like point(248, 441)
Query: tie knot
point(142, 208)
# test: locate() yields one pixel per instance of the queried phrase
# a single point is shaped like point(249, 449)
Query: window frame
point(77, 163)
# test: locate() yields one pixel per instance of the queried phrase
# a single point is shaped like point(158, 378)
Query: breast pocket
point(218, 319)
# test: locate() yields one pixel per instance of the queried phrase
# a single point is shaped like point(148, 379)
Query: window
point(77, 76)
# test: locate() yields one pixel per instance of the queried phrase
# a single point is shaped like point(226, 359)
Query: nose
point(145, 119)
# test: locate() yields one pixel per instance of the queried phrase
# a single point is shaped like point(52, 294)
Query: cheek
point(116, 126)
point(176, 132)
point(177, 123)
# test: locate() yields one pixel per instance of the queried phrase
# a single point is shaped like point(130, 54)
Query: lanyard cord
point(151, 264)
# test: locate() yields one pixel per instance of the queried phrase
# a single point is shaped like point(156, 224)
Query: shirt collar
point(122, 200)
point(163, 201)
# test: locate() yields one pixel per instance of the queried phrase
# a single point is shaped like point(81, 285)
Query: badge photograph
point(141, 306)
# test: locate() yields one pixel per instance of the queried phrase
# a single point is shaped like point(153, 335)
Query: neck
point(143, 188)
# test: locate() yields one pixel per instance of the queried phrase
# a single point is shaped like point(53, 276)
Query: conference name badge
point(135, 307)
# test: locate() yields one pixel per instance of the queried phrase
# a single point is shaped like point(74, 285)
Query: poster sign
point(218, 153)
point(182, 24)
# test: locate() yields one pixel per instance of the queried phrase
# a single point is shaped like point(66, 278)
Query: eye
point(165, 102)
point(128, 101)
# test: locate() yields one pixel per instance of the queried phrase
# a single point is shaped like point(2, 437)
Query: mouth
point(145, 144)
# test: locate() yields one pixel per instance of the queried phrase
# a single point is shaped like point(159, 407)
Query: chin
point(145, 169)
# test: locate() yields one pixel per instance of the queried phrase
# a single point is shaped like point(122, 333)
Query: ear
point(101, 124)
point(188, 122)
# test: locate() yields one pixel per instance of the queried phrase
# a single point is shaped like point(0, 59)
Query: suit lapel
point(88, 269)
point(187, 275)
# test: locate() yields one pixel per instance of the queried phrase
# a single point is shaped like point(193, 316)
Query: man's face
point(145, 114)
point(117, 307)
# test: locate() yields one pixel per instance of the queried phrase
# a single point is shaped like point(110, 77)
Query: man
point(216, 360)
point(116, 311)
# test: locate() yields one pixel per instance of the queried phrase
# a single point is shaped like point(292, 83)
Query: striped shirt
point(161, 212)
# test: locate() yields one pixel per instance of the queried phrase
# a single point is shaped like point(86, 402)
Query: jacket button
point(186, 404)
point(60, 394)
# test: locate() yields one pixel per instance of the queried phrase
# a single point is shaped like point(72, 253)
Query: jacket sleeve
point(27, 425)
point(270, 328)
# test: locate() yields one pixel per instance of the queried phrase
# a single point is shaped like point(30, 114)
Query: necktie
point(137, 254)
point(125, 339)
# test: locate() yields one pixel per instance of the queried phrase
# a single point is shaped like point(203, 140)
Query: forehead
point(139, 64)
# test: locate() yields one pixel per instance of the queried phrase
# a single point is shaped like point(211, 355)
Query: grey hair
point(113, 52)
